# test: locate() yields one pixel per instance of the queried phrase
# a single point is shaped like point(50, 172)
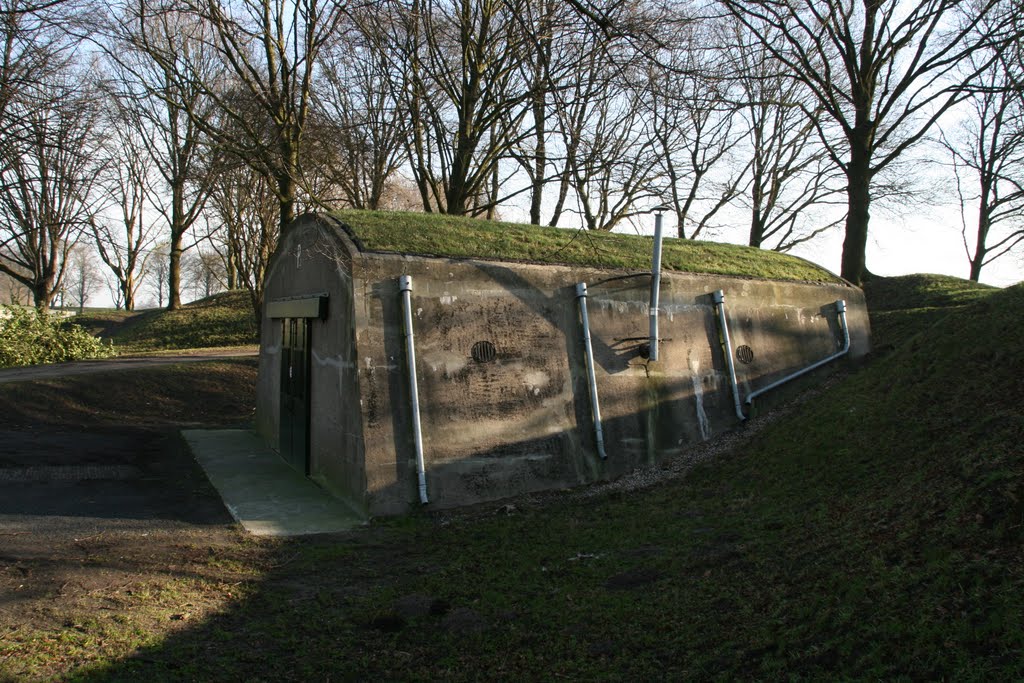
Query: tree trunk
point(41, 296)
point(178, 229)
point(540, 159)
point(286, 195)
point(174, 273)
point(980, 250)
point(858, 177)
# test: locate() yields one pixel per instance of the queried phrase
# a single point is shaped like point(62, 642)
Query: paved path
point(261, 491)
point(88, 367)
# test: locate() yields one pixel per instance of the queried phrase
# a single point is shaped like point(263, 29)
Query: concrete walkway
point(261, 491)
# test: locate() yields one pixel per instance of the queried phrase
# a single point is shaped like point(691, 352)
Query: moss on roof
point(460, 237)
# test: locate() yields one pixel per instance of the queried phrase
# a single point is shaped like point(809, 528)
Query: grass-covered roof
point(460, 237)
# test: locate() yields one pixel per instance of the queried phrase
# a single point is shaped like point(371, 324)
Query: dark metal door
point(295, 357)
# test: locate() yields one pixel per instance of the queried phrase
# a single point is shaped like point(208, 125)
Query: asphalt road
point(113, 364)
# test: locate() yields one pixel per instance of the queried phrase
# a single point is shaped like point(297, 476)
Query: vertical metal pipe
point(655, 287)
point(719, 298)
point(405, 285)
point(595, 406)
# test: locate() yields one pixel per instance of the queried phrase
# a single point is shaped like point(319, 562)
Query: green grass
point(221, 320)
point(904, 305)
point(459, 237)
point(875, 534)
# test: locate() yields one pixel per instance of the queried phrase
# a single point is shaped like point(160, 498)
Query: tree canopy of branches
point(161, 59)
point(987, 154)
point(881, 73)
point(47, 173)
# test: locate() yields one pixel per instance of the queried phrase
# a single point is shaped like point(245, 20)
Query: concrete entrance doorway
point(295, 356)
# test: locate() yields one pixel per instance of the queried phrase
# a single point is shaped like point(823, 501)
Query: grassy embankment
point(220, 321)
point(874, 534)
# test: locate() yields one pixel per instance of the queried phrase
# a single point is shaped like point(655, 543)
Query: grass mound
point(902, 306)
point(460, 237)
point(876, 533)
point(220, 320)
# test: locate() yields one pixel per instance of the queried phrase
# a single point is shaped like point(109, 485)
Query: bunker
point(402, 361)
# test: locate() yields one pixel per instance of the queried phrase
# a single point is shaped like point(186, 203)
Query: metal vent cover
point(484, 352)
point(745, 354)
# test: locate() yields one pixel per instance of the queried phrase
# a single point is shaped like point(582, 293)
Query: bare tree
point(46, 178)
point(791, 182)
point(124, 241)
point(464, 96)
point(610, 167)
point(359, 127)
point(149, 45)
point(83, 275)
point(157, 272)
point(694, 128)
point(551, 62)
point(31, 48)
point(987, 158)
point(245, 205)
point(13, 292)
point(881, 72)
point(206, 273)
point(237, 56)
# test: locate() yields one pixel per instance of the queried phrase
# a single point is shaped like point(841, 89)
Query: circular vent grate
point(745, 354)
point(484, 352)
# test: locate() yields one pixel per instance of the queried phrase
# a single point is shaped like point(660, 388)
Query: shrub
point(30, 337)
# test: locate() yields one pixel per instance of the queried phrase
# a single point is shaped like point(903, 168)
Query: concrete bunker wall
point(312, 261)
point(503, 392)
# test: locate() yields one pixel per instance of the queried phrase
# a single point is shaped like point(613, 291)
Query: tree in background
point(695, 130)
point(245, 207)
point(83, 275)
point(206, 273)
point(458, 66)
point(266, 54)
point(124, 241)
point(13, 292)
point(158, 271)
point(881, 73)
point(790, 179)
point(358, 127)
point(161, 62)
point(47, 174)
point(987, 158)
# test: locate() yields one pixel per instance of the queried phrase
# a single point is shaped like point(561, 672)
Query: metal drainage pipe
point(841, 313)
point(719, 298)
point(405, 285)
point(655, 287)
point(595, 406)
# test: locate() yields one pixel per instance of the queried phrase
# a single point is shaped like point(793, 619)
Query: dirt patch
point(110, 534)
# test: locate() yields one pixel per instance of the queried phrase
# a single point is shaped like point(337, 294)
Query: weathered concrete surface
point(261, 492)
point(315, 259)
point(522, 421)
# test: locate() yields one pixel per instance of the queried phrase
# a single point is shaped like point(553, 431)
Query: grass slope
point(459, 237)
point(901, 306)
point(221, 320)
point(875, 534)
